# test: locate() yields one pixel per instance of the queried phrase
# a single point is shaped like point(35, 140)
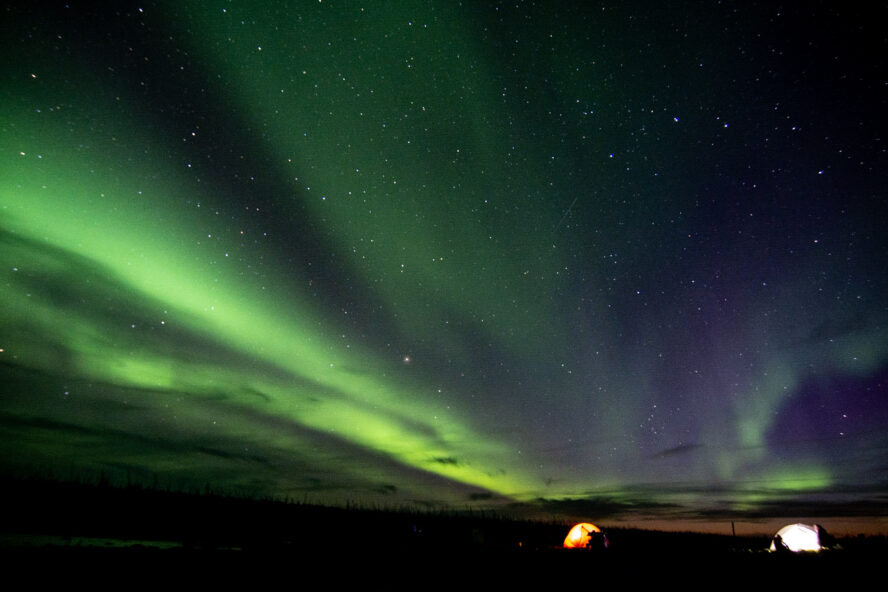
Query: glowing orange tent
point(580, 535)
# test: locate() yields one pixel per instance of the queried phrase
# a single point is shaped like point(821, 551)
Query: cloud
point(600, 507)
point(678, 450)
point(477, 497)
point(446, 460)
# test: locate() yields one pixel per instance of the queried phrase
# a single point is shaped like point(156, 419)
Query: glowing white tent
point(796, 538)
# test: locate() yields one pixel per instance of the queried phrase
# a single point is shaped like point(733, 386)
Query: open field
point(88, 531)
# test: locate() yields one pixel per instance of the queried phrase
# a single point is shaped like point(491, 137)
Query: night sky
point(620, 260)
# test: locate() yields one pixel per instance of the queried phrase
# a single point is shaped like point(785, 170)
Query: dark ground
point(104, 534)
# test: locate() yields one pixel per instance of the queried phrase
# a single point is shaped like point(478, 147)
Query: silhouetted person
point(826, 540)
point(780, 546)
point(597, 541)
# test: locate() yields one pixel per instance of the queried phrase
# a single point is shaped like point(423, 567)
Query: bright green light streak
point(103, 220)
point(777, 482)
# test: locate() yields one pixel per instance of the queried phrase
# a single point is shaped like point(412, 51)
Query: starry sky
point(620, 260)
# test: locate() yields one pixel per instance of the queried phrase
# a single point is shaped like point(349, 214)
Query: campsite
point(325, 293)
point(119, 529)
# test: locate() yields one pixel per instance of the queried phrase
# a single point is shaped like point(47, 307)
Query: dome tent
point(585, 536)
point(801, 537)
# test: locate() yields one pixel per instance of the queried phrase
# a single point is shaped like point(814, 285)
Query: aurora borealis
point(615, 258)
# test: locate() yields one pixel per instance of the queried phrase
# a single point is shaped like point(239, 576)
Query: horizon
point(742, 526)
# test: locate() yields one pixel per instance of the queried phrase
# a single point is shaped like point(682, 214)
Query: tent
point(585, 536)
point(799, 537)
